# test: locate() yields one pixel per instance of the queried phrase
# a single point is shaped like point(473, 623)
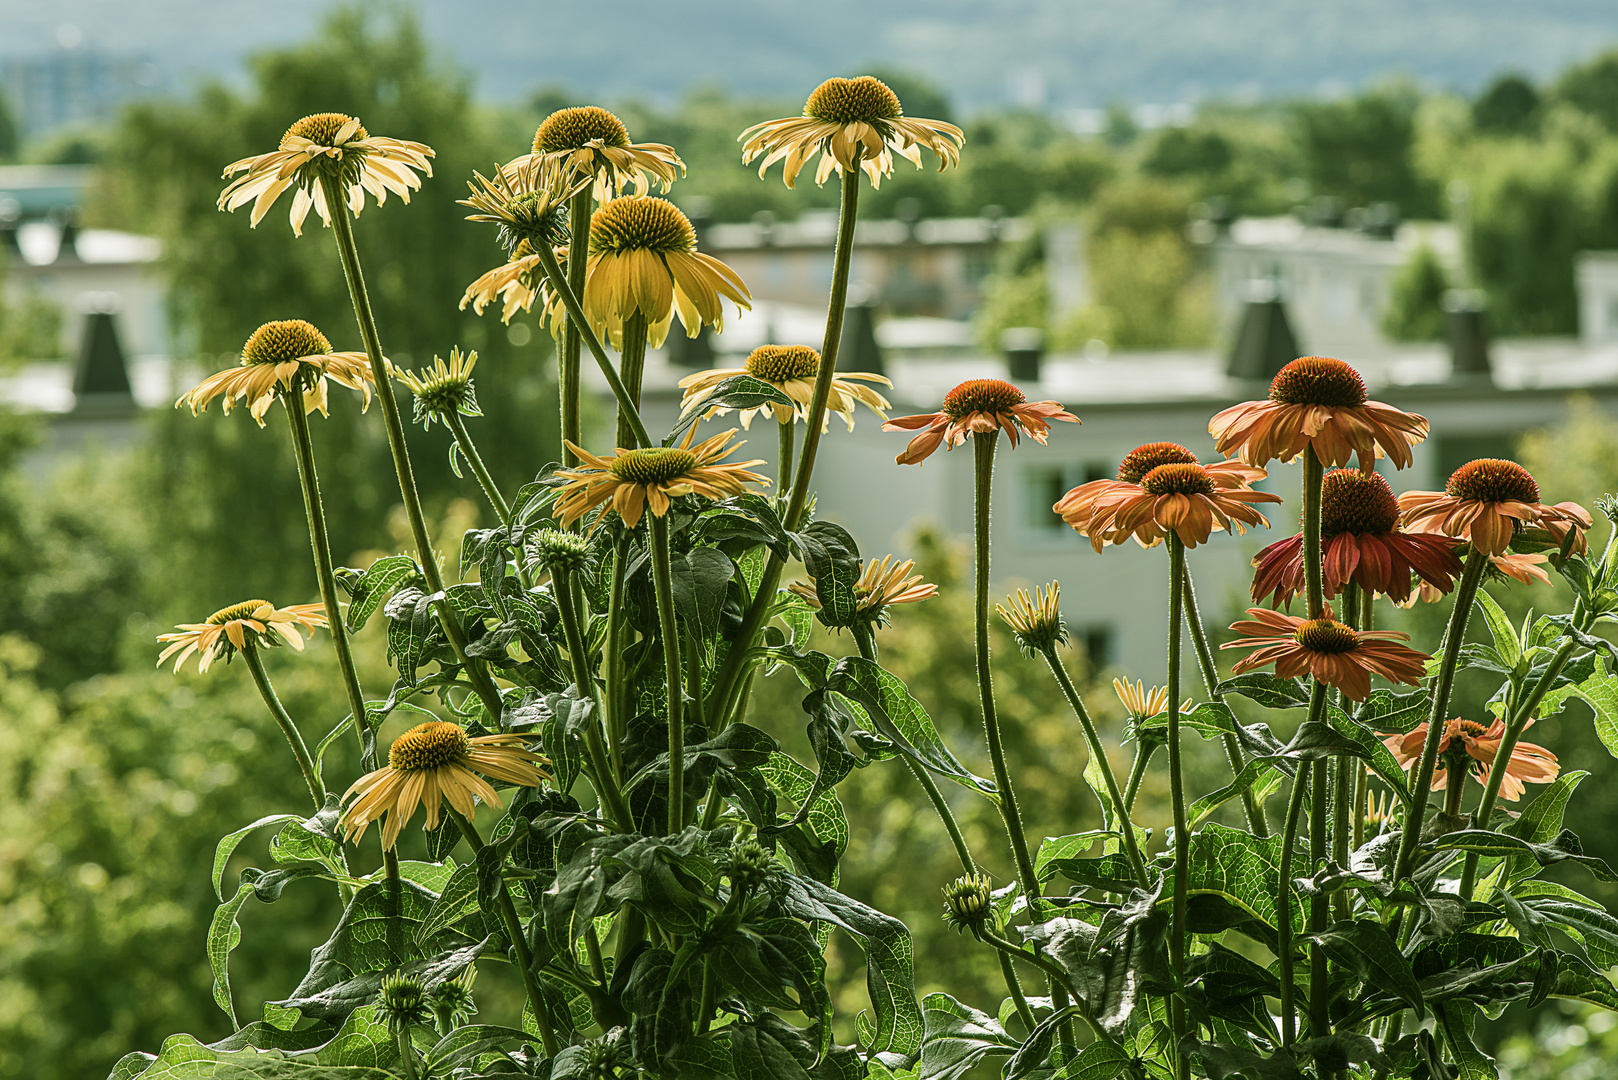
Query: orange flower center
point(1178, 479)
point(428, 746)
point(1143, 459)
point(1469, 729)
point(243, 610)
point(322, 128)
point(653, 465)
point(289, 339)
point(640, 224)
point(1493, 480)
point(981, 396)
point(846, 101)
point(1352, 502)
point(1326, 636)
point(570, 129)
point(780, 363)
point(1318, 380)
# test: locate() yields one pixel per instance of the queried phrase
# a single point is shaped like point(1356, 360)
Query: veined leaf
point(223, 936)
point(231, 841)
point(957, 1038)
point(1506, 645)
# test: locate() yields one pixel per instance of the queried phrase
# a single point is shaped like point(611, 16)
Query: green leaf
point(223, 936)
point(739, 392)
point(1456, 1019)
point(1383, 710)
point(184, 1058)
point(231, 841)
point(1601, 692)
point(1241, 868)
point(1269, 690)
point(464, 1044)
point(699, 580)
point(957, 1038)
point(368, 588)
point(458, 899)
point(363, 1040)
point(1369, 749)
point(832, 559)
point(1506, 645)
point(1366, 948)
point(1541, 822)
point(900, 717)
point(1098, 1061)
point(1255, 770)
point(1064, 847)
point(1501, 845)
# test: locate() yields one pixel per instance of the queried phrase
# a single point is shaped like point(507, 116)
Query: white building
point(1596, 274)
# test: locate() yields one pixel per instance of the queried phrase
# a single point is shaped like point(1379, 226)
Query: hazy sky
point(1065, 53)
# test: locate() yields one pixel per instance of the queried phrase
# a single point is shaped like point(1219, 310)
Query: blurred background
point(1158, 204)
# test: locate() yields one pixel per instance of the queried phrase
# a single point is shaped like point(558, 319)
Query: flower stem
point(1098, 753)
point(1421, 782)
point(1313, 478)
point(1502, 755)
point(575, 315)
point(584, 679)
point(519, 944)
point(1251, 807)
point(1283, 899)
point(343, 229)
point(787, 437)
point(1319, 903)
point(1019, 1000)
point(568, 382)
point(1058, 978)
point(983, 444)
point(631, 366)
point(1182, 827)
point(407, 1051)
point(319, 541)
point(306, 764)
point(457, 427)
point(617, 722)
point(671, 670)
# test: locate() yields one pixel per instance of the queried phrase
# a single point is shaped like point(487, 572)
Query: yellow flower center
point(1470, 729)
point(653, 465)
point(1318, 380)
point(1352, 502)
point(1143, 459)
point(1493, 480)
point(780, 363)
point(570, 129)
point(1178, 479)
point(289, 339)
point(243, 610)
point(640, 224)
point(1326, 636)
point(428, 746)
point(846, 101)
point(981, 396)
point(322, 128)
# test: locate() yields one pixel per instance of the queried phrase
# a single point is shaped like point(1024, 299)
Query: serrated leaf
point(368, 588)
point(223, 936)
point(1366, 948)
point(1064, 847)
point(898, 716)
point(738, 392)
point(231, 841)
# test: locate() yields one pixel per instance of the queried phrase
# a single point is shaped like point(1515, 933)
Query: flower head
point(528, 200)
point(590, 143)
point(452, 1000)
point(320, 150)
point(232, 628)
point(791, 369)
point(1163, 488)
point(432, 761)
point(635, 480)
point(1360, 542)
point(1379, 810)
point(644, 260)
point(1467, 738)
point(851, 123)
point(1334, 653)
point(404, 1001)
point(1489, 501)
point(282, 358)
point(969, 902)
point(558, 552)
point(443, 389)
point(1035, 620)
point(977, 406)
point(1320, 402)
point(517, 283)
point(882, 583)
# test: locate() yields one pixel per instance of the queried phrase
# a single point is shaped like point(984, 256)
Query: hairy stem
point(1182, 826)
point(568, 382)
point(606, 780)
point(1019, 1000)
point(463, 440)
point(1319, 904)
point(787, 441)
point(671, 670)
point(1251, 807)
point(306, 764)
point(1283, 899)
point(631, 366)
point(1313, 478)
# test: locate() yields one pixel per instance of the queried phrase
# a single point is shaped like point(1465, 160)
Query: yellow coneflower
point(326, 148)
point(517, 283)
point(1035, 619)
point(527, 200)
point(882, 583)
point(435, 761)
point(231, 628)
point(644, 261)
point(1142, 704)
point(443, 388)
point(851, 123)
point(591, 143)
point(791, 369)
point(648, 478)
point(283, 357)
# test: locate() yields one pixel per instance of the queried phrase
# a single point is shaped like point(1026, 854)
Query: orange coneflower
point(283, 357)
point(1529, 762)
point(1162, 488)
point(1035, 618)
point(1334, 653)
point(1486, 502)
point(1320, 402)
point(433, 762)
point(851, 123)
point(231, 628)
point(648, 478)
point(326, 148)
point(1360, 542)
point(977, 406)
point(791, 369)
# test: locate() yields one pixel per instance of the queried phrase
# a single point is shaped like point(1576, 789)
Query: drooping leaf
point(368, 588)
point(699, 580)
point(231, 841)
point(900, 717)
point(223, 936)
point(957, 1038)
point(738, 392)
point(1365, 947)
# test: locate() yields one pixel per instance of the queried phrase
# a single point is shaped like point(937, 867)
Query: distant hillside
point(1068, 53)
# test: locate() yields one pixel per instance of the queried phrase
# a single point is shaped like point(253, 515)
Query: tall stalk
point(1182, 827)
point(1251, 807)
point(786, 440)
point(631, 366)
point(606, 778)
point(300, 750)
point(568, 381)
point(469, 451)
point(342, 226)
point(320, 543)
point(1283, 900)
point(671, 670)
point(983, 460)
point(1314, 474)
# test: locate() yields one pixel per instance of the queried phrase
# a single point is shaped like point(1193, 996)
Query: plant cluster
point(663, 877)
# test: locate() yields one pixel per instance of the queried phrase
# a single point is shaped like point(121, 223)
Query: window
point(1096, 641)
point(1045, 484)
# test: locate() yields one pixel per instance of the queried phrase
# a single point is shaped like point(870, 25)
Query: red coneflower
point(1334, 653)
point(1486, 502)
point(977, 406)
